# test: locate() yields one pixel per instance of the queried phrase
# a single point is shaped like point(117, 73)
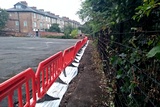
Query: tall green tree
point(107, 13)
point(86, 28)
point(67, 30)
point(54, 28)
point(3, 18)
point(74, 33)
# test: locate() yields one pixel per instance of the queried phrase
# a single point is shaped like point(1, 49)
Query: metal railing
point(135, 77)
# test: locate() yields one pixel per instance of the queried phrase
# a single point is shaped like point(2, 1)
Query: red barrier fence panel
point(47, 72)
point(22, 84)
point(77, 47)
point(68, 56)
point(84, 41)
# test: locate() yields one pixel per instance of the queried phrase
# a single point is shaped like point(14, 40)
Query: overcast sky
point(59, 7)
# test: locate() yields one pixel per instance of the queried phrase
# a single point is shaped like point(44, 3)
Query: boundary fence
point(133, 77)
point(33, 84)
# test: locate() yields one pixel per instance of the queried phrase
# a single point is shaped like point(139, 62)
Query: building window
point(41, 25)
point(25, 23)
point(34, 24)
point(18, 7)
point(42, 17)
point(49, 19)
point(34, 15)
point(46, 18)
point(16, 23)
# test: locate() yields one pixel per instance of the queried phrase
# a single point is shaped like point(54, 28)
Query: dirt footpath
point(88, 88)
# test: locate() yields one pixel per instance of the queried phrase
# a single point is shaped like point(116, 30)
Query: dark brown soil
point(88, 88)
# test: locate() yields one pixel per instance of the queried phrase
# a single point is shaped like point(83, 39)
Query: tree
point(86, 28)
point(147, 14)
point(146, 9)
point(74, 33)
point(107, 13)
point(54, 28)
point(117, 15)
point(3, 18)
point(67, 30)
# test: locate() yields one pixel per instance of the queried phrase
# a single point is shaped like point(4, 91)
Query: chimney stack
point(42, 10)
point(48, 12)
point(57, 15)
point(35, 8)
point(24, 2)
point(52, 14)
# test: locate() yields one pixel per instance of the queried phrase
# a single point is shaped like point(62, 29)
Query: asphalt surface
point(19, 53)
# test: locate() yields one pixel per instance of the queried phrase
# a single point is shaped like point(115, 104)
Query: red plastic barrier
point(77, 47)
point(68, 56)
point(84, 41)
point(47, 72)
point(8, 88)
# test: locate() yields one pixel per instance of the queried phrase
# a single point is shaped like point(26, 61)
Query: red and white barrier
point(38, 83)
point(47, 72)
point(8, 88)
point(68, 56)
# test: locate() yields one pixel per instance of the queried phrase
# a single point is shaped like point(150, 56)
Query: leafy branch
point(145, 9)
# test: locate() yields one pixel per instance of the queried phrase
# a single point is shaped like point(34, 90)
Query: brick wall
point(25, 16)
point(43, 34)
point(11, 26)
point(12, 33)
point(31, 34)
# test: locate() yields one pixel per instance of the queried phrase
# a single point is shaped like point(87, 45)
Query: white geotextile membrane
point(70, 73)
point(57, 90)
